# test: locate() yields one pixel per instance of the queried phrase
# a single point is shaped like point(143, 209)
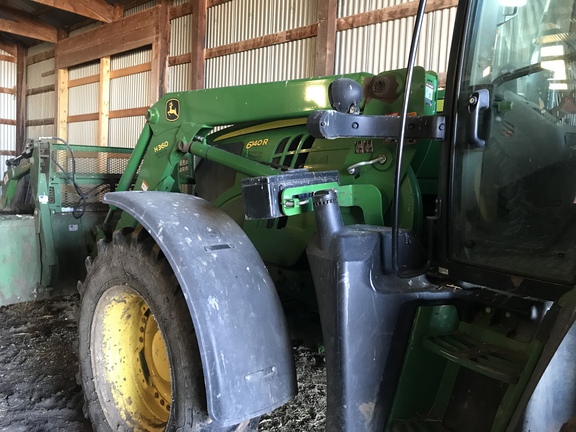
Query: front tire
point(139, 360)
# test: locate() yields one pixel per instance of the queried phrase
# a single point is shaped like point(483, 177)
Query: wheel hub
point(130, 362)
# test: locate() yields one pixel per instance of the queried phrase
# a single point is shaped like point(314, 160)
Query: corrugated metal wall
point(240, 20)
point(180, 43)
point(84, 29)
point(372, 49)
point(179, 77)
point(385, 46)
point(40, 106)
point(131, 91)
point(83, 100)
point(139, 8)
point(7, 111)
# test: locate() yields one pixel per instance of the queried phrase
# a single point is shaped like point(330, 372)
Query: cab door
point(509, 215)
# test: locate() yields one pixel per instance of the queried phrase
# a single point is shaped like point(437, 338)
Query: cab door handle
point(478, 101)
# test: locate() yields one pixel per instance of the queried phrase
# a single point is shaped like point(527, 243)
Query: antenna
point(400, 146)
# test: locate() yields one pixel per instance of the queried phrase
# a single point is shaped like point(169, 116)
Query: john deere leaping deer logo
point(172, 109)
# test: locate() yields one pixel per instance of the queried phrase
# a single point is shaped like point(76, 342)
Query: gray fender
point(244, 343)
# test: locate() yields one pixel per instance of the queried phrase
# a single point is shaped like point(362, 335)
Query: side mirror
point(345, 95)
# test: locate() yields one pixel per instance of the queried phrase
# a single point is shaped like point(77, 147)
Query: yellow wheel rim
point(130, 362)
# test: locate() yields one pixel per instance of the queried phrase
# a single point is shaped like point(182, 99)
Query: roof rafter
point(98, 10)
point(8, 47)
point(27, 25)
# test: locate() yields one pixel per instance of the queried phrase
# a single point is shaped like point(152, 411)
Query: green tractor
point(432, 231)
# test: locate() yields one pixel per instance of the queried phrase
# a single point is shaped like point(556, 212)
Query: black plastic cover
point(366, 314)
point(262, 194)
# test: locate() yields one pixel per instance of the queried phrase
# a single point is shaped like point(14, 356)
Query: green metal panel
point(252, 103)
point(19, 260)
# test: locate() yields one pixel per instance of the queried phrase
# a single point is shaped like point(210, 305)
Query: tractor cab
point(510, 205)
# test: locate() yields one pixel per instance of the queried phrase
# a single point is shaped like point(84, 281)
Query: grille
point(97, 171)
point(93, 196)
point(296, 154)
point(100, 162)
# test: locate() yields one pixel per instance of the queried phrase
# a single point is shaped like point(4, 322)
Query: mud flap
point(243, 338)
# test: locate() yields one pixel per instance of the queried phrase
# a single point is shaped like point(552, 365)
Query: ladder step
point(490, 360)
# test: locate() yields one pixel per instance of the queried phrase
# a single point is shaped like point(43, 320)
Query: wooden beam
point(8, 47)
point(129, 33)
point(160, 52)
point(131, 112)
point(8, 90)
point(7, 122)
point(27, 25)
point(7, 58)
point(83, 81)
point(179, 59)
point(62, 104)
point(98, 10)
point(263, 41)
point(198, 44)
point(326, 38)
point(39, 90)
point(391, 13)
point(8, 153)
point(40, 122)
point(21, 99)
point(40, 57)
point(82, 118)
point(131, 70)
point(212, 3)
point(181, 10)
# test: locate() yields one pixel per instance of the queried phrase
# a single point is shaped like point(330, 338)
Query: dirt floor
point(38, 366)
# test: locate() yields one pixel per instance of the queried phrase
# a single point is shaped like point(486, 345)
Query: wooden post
point(61, 129)
point(103, 111)
point(20, 98)
point(160, 52)
point(326, 38)
point(198, 35)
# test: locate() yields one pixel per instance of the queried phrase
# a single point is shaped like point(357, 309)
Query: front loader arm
point(179, 123)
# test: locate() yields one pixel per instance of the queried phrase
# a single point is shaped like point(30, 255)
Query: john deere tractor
point(432, 231)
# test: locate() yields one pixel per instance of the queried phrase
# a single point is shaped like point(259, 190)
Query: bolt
point(355, 125)
point(488, 310)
